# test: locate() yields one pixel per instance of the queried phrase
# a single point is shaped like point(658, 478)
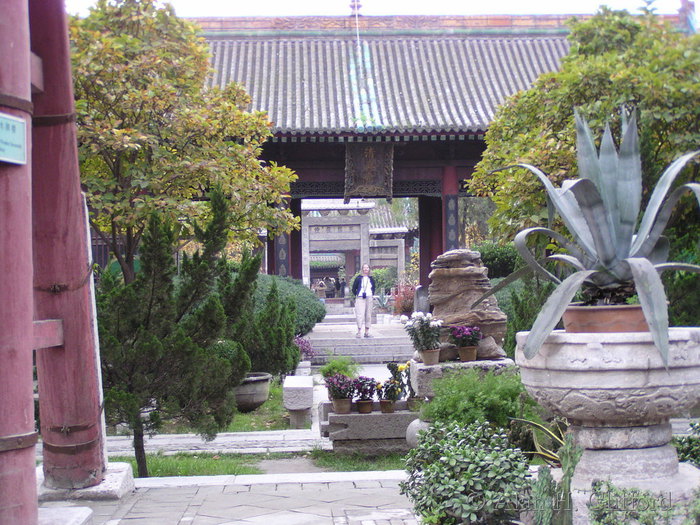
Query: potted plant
point(618, 389)
point(340, 365)
point(364, 391)
point(388, 393)
point(612, 262)
point(424, 331)
point(340, 389)
point(466, 338)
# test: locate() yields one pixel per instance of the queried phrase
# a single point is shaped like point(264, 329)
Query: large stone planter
point(253, 391)
point(619, 397)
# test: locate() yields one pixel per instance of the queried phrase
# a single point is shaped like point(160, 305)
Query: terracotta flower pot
point(467, 353)
point(430, 357)
point(387, 406)
point(364, 406)
point(342, 406)
point(605, 319)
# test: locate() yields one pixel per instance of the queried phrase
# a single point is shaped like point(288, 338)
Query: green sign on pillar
point(13, 139)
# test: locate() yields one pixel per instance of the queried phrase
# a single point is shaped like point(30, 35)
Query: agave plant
point(613, 255)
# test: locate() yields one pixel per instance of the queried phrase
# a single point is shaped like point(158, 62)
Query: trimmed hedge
point(500, 259)
point(309, 310)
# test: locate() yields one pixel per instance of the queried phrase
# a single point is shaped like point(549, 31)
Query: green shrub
point(340, 365)
point(521, 302)
point(500, 259)
point(385, 278)
point(693, 515)
point(688, 447)
point(474, 395)
point(276, 352)
point(234, 353)
point(467, 396)
point(460, 474)
point(309, 310)
point(683, 307)
point(611, 505)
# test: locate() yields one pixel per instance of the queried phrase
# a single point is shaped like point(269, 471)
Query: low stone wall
point(373, 434)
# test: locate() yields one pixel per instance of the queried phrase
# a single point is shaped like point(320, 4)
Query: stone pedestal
point(619, 396)
point(458, 279)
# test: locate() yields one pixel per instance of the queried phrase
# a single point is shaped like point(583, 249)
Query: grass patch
point(207, 464)
point(355, 462)
point(270, 416)
point(183, 464)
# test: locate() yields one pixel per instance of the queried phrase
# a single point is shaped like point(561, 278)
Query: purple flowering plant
point(340, 386)
point(465, 335)
point(305, 348)
point(365, 387)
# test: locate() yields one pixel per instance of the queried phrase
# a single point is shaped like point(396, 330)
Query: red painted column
point(69, 380)
point(430, 231)
point(18, 498)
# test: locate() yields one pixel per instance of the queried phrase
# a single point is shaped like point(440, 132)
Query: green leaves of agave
point(600, 210)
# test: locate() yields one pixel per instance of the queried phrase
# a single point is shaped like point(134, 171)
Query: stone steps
point(379, 349)
point(335, 336)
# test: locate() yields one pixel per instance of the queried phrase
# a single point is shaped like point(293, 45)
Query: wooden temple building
point(360, 107)
point(381, 106)
point(393, 106)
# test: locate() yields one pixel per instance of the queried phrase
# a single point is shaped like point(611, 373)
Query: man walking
point(363, 289)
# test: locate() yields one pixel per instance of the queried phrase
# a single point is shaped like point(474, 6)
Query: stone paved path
point(339, 498)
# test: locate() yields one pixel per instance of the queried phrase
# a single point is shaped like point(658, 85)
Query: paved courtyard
point(339, 498)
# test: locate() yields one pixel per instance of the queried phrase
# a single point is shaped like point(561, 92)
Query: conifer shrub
point(276, 352)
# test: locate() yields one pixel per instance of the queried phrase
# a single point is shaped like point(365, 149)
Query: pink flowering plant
point(305, 348)
point(364, 388)
point(465, 335)
point(340, 386)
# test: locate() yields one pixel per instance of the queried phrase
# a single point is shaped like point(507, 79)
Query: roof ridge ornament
point(355, 6)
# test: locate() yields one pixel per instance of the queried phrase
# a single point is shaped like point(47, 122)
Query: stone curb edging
point(271, 479)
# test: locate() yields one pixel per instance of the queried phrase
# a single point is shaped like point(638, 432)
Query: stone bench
point(373, 434)
point(298, 398)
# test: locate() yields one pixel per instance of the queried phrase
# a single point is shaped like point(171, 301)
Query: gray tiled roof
point(388, 85)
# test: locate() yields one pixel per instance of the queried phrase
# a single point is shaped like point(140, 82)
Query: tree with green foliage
point(276, 352)
point(161, 338)
point(616, 60)
point(152, 138)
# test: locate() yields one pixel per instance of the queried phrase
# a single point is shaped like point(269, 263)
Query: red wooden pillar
point(69, 375)
point(430, 231)
point(18, 498)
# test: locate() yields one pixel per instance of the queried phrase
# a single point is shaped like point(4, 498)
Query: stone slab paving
point(334, 498)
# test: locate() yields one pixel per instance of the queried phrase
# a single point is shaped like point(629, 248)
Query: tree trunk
point(139, 450)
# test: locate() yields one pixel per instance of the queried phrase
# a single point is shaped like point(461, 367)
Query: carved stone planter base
point(619, 396)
